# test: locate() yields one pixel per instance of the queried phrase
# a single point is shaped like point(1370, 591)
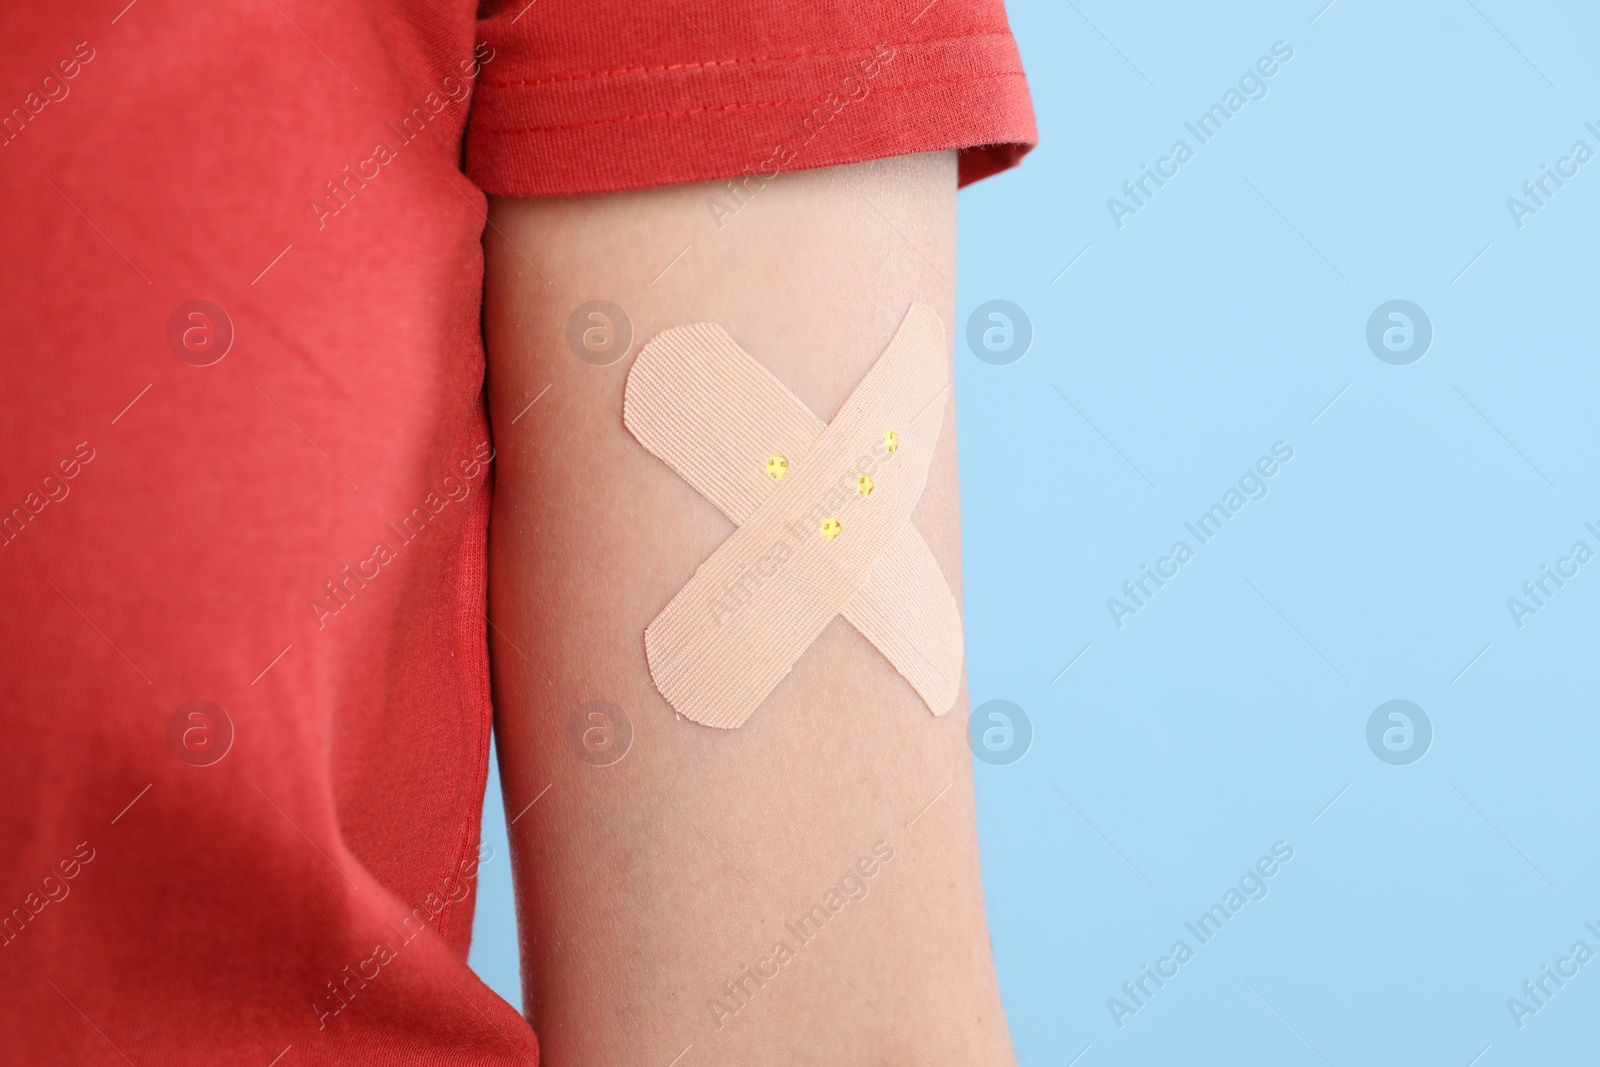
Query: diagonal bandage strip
point(700, 403)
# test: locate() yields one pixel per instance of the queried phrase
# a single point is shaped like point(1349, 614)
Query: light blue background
point(1225, 716)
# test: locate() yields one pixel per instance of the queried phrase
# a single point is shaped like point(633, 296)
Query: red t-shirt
point(244, 474)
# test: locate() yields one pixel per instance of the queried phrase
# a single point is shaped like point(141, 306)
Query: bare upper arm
point(646, 885)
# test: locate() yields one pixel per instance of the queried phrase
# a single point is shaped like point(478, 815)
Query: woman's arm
point(663, 899)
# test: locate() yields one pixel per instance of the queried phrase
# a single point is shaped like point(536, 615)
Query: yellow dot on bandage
point(830, 527)
point(863, 485)
point(777, 466)
point(891, 441)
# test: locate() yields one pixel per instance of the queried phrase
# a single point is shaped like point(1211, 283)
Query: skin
point(645, 885)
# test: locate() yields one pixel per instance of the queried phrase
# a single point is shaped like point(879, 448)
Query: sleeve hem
point(574, 132)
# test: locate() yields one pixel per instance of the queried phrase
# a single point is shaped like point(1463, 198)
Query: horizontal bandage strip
point(696, 400)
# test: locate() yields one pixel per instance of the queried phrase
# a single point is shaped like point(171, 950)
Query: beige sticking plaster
point(713, 414)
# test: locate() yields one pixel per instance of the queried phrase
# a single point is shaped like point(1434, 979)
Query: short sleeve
point(588, 96)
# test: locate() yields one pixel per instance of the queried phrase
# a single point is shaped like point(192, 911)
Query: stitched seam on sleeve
point(618, 119)
point(775, 57)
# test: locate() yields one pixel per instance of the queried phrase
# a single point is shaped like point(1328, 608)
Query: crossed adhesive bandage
point(823, 513)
